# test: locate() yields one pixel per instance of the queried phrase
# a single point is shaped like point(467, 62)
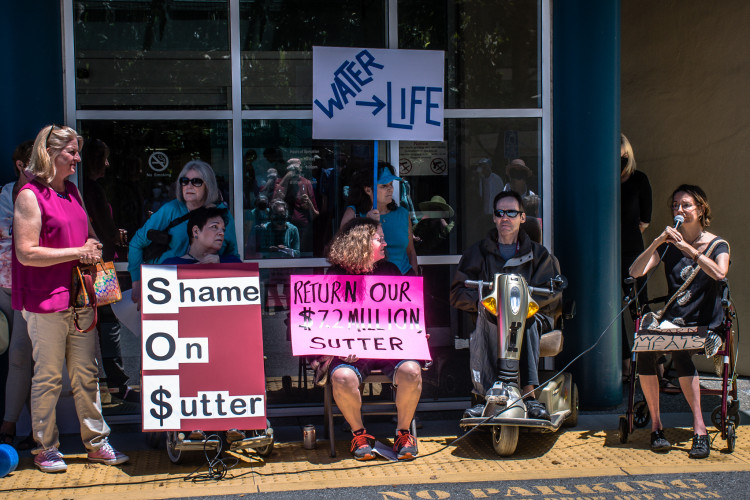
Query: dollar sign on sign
point(165, 409)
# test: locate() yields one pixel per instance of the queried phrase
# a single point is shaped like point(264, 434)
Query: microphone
point(678, 220)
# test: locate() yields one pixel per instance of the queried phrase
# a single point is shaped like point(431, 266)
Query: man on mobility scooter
point(507, 249)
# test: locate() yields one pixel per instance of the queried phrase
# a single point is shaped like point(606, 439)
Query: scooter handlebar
point(477, 284)
point(543, 291)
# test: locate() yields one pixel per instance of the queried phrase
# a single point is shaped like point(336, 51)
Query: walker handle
point(724, 293)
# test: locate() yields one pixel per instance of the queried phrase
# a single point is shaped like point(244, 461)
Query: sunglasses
point(512, 214)
point(195, 181)
point(53, 127)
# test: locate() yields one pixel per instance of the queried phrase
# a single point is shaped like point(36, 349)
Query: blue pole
point(586, 128)
point(375, 178)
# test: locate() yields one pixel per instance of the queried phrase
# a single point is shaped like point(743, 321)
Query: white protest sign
point(378, 94)
point(164, 293)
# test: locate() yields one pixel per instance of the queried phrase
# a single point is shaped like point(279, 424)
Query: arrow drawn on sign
point(376, 102)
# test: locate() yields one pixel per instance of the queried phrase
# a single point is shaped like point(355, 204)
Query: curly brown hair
point(351, 248)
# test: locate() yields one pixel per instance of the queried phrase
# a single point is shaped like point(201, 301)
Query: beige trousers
point(54, 339)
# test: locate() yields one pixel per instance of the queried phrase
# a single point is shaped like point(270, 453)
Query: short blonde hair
point(48, 145)
point(630, 167)
point(351, 248)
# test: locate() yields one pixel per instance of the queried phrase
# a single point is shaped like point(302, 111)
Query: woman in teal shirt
point(196, 187)
point(393, 218)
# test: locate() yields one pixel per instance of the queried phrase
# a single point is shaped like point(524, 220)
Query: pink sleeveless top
point(64, 225)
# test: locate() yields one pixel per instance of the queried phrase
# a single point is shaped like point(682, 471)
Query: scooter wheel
point(264, 451)
point(731, 437)
point(641, 415)
point(505, 439)
point(175, 455)
point(572, 419)
point(623, 426)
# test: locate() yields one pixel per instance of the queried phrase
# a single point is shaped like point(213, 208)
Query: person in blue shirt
point(205, 229)
point(196, 187)
point(394, 218)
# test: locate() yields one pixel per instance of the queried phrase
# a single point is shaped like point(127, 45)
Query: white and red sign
point(202, 348)
point(372, 317)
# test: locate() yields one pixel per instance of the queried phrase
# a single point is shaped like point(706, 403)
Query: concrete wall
point(685, 106)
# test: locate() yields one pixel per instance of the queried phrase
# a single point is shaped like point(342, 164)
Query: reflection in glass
point(145, 158)
point(492, 49)
point(294, 188)
point(277, 40)
point(158, 54)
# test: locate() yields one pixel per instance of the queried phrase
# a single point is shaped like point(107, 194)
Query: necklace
point(700, 235)
point(191, 256)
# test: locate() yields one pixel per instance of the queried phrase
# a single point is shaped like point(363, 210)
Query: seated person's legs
point(529, 370)
point(407, 380)
point(690, 385)
point(345, 381)
point(647, 371)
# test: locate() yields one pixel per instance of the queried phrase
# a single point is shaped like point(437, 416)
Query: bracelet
point(696, 257)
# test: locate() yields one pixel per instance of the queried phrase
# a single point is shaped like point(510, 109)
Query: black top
point(700, 303)
point(635, 200)
point(382, 268)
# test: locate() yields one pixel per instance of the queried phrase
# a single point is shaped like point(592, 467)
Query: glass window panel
point(476, 153)
point(145, 159)
point(325, 167)
point(492, 49)
point(277, 39)
point(144, 55)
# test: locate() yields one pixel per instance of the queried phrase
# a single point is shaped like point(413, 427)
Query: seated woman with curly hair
point(359, 248)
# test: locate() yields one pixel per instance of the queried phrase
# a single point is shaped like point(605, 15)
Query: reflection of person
point(51, 235)
point(205, 229)
point(635, 216)
point(685, 251)
point(297, 192)
point(519, 175)
point(196, 187)
point(359, 248)
point(489, 184)
point(431, 232)
point(507, 249)
point(128, 205)
point(278, 237)
point(394, 218)
point(19, 357)
point(95, 156)
point(254, 218)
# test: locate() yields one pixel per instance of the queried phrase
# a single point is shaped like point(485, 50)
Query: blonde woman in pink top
point(51, 235)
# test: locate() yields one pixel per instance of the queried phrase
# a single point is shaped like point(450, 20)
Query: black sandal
point(701, 447)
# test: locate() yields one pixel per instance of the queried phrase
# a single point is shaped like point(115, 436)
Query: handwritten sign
point(196, 321)
point(378, 94)
point(672, 339)
point(373, 317)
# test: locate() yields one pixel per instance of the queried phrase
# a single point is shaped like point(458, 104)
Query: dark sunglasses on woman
point(195, 181)
point(512, 214)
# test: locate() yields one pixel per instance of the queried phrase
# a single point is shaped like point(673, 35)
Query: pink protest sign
point(373, 317)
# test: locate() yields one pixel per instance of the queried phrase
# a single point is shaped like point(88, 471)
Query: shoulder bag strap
point(177, 221)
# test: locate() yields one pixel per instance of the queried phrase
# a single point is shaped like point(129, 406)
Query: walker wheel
point(731, 437)
point(623, 430)
point(641, 414)
point(733, 415)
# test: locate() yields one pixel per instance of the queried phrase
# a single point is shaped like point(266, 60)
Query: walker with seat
point(726, 416)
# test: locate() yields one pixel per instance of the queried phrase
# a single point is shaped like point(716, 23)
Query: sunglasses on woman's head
point(53, 127)
point(512, 214)
point(195, 181)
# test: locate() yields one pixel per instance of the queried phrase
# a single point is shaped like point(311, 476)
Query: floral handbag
point(94, 285)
